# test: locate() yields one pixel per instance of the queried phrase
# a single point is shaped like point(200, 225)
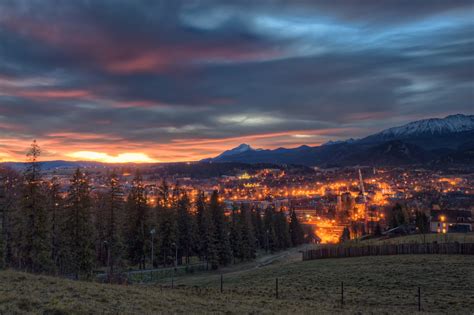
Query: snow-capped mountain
point(428, 127)
point(243, 148)
point(414, 143)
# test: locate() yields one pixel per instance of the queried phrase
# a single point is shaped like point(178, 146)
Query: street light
point(152, 232)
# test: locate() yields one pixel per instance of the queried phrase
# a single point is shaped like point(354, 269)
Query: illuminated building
point(444, 221)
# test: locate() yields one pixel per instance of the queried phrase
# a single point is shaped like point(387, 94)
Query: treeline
point(73, 233)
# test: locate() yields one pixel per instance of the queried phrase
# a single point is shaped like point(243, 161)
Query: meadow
point(384, 284)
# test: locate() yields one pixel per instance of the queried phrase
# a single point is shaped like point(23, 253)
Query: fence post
point(172, 282)
point(222, 283)
point(419, 299)
point(276, 288)
point(342, 294)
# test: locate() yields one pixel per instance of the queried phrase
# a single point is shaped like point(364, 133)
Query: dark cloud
point(157, 72)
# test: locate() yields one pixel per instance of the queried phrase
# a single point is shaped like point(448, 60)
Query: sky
point(162, 81)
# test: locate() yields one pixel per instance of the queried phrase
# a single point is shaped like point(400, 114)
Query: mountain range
point(435, 141)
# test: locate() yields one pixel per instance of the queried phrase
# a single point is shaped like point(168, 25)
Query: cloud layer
point(178, 81)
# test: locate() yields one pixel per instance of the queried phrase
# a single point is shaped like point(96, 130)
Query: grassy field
point(385, 284)
point(417, 238)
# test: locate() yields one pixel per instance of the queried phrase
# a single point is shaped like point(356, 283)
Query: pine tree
point(234, 237)
point(398, 216)
point(137, 223)
point(54, 206)
point(258, 228)
point(11, 218)
point(185, 229)
point(202, 226)
point(4, 215)
point(100, 215)
point(422, 222)
point(282, 231)
point(8, 198)
point(378, 230)
point(346, 235)
point(35, 246)
point(247, 248)
point(113, 236)
point(296, 230)
point(205, 227)
point(220, 230)
point(269, 229)
point(78, 243)
point(167, 226)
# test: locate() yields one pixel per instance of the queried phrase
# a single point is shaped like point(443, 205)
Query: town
point(327, 201)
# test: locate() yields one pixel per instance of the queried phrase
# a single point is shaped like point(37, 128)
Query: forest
point(80, 231)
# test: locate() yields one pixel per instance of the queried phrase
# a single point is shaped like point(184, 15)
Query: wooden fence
point(389, 249)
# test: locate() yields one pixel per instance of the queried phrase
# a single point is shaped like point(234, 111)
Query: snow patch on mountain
point(237, 150)
point(433, 126)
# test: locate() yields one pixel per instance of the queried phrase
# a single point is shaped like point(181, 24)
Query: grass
point(416, 238)
point(384, 284)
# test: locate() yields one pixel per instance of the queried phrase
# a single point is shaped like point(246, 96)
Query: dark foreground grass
point(372, 285)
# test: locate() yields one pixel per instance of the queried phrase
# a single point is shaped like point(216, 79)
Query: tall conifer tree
point(35, 246)
point(137, 223)
point(221, 236)
point(78, 232)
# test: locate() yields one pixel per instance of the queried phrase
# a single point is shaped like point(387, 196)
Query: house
point(444, 221)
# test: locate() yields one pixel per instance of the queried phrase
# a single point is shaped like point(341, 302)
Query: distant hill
point(49, 165)
point(436, 140)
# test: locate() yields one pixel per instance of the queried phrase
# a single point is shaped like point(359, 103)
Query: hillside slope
point(385, 284)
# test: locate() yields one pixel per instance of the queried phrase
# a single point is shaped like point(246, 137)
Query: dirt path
point(285, 257)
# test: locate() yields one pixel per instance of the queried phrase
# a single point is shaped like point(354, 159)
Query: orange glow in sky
point(107, 158)
point(115, 149)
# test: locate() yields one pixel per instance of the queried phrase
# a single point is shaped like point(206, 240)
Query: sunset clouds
point(184, 80)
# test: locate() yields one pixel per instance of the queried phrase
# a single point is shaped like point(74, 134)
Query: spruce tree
point(235, 237)
point(35, 246)
point(282, 231)
point(346, 235)
point(258, 228)
point(10, 217)
point(185, 229)
point(137, 223)
point(100, 218)
point(8, 179)
point(167, 226)
point(55, 206)
point(113, 236)
point(4, 215)
point(202, 226)
point(205, 227)
point(269, 230)
point(78, 233)
point(247, 248)
point(221, 234)
point(296, 230)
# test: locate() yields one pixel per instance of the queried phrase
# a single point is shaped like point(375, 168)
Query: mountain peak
point(413, 143)
point(242, 148)
point(432, 126)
